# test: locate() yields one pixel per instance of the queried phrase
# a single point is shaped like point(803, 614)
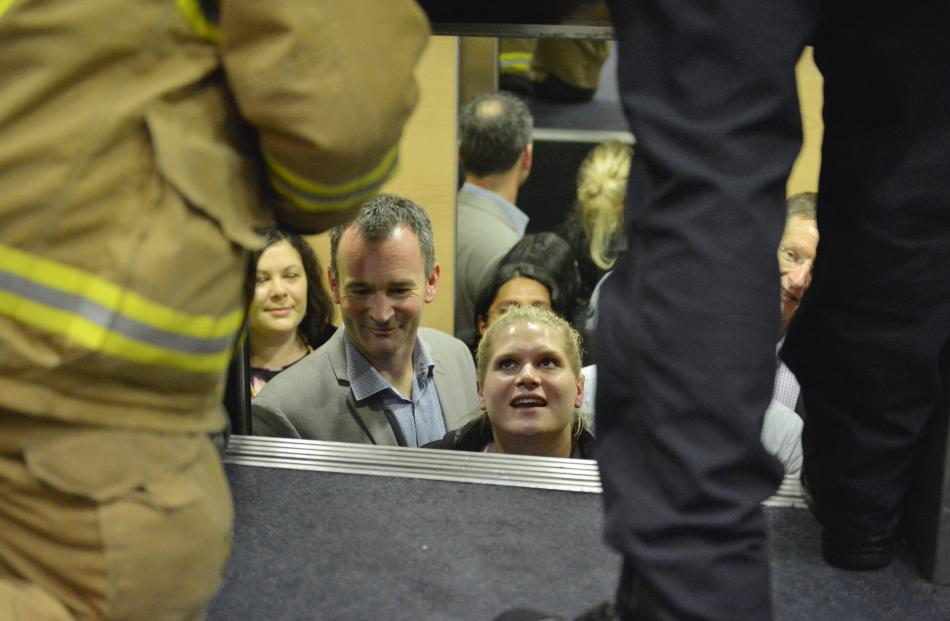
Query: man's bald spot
point(489, 109)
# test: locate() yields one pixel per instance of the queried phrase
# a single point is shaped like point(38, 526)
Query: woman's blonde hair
point(601, 188)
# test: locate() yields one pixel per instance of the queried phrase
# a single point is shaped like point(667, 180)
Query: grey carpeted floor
point(806, 589)
point(328, 546)
point(313, 545)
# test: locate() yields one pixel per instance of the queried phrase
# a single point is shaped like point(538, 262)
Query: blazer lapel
point(367, 414)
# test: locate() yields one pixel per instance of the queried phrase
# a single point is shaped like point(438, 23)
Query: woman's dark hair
point(543, 257)
point(319, 306)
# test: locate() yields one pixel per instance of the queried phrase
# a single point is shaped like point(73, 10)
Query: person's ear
point(482, 325)
point(579, 399)
point(527, 157)
point(431, 283)
point(334, 286)
point(481, 397)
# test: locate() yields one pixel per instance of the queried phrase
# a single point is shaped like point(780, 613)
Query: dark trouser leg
point(871, 337)
point(690, 318)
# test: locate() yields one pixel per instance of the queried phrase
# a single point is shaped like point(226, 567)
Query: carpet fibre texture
point(313, 546)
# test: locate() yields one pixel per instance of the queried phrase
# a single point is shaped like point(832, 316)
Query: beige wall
point(804, 175)
point(428, 168)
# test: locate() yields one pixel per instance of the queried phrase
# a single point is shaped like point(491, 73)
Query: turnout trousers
point(104, 523)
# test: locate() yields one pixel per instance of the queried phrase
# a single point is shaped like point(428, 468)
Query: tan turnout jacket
point(140, 143)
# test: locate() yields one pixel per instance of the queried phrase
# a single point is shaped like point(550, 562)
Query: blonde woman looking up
point(529, 388)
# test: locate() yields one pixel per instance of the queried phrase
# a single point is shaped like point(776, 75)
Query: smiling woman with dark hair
point(529, 388)
point(290, 308)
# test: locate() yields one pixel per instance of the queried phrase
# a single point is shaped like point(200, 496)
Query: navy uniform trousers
point(690, 318)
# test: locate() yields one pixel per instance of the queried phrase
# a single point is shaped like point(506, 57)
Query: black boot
point(637, 602)
point(849, 551)
point(857, 553)
point(552, 88)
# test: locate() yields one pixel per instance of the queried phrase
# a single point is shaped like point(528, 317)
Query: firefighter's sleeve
point(328, 85)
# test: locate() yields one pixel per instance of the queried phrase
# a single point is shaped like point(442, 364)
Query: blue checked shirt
point(786, 389)
point(416, 420)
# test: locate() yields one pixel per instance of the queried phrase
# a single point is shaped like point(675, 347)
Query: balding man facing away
point(495, 149)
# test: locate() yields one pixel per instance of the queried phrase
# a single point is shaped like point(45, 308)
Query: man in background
point(796, 257)
point(495, 149)
point(135, 138)
point(381, 379)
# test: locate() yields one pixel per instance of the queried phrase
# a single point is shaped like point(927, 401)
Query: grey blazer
point(482, 237)
point(312, 399)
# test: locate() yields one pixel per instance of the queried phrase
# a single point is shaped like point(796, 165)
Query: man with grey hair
point(796, 255)
point(797, 250)
point(495, 148)
point(381, 379)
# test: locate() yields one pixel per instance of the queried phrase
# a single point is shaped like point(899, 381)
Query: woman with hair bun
point(595, 229)
point(540, 270)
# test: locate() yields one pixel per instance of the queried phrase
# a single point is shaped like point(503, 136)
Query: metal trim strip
point(593, 136)
point(572, 475)
point(527, 31)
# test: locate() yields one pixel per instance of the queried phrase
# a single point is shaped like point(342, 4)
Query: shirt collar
point(515, 216)
point(366, 381)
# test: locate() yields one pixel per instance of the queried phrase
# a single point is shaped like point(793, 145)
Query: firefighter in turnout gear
point(142, 144)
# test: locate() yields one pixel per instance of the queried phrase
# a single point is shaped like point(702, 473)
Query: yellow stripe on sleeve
point(314, 196)
point(191, 11)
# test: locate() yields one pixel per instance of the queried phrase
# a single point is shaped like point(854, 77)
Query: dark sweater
point(475, 435)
